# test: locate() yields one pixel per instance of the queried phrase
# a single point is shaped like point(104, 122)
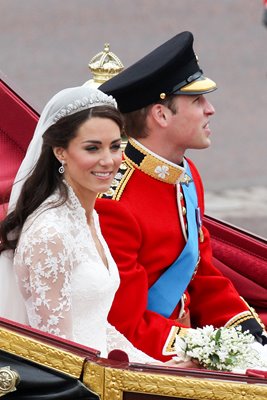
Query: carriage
point(35, 365)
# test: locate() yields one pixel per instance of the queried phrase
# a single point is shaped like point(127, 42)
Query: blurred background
point(46, 45)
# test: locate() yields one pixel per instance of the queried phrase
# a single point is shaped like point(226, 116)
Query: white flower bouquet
point(225, 349)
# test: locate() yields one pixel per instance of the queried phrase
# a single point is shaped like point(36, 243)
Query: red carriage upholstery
point(239, 255)
point(17, 123)
point(242, 257)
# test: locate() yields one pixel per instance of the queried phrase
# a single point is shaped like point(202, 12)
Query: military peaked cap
point(171, 68)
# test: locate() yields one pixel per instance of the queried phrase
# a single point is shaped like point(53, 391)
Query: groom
point(152, 215)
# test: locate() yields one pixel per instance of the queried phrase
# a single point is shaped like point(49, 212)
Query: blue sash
point(167, 291)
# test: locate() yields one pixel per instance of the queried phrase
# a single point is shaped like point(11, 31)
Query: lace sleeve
point(116, 340)
point(45, 270)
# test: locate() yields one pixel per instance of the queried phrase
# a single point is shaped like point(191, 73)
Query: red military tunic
point(145, 227)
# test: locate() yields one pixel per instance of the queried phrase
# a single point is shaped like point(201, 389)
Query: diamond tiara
point(95, 100)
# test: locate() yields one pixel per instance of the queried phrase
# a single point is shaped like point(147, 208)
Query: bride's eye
point(116, 146)
point(91, 148)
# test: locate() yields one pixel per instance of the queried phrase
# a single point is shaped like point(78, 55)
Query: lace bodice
point(68, 291)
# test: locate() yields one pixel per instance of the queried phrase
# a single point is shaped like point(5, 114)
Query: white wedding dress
point(67, 289)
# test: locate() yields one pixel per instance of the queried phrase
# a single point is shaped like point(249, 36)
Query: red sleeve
point(213, 298)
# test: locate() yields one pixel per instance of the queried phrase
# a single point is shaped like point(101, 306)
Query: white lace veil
point(66, 102)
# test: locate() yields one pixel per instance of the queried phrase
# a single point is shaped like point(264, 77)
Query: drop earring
point(61, 169)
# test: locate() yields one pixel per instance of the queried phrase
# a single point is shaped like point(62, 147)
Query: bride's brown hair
point(45, 178)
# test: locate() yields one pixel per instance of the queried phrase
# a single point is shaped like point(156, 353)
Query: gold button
point(185, 298)
point(181, 196)
point(184, 210)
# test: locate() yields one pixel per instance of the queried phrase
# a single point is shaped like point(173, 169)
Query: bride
point(59, 274)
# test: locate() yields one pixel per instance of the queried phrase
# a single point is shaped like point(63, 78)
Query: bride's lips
point(102, 175)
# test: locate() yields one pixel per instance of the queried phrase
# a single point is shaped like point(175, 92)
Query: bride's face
point(93, 157)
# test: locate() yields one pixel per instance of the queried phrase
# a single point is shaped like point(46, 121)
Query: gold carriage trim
point(119, 182)
point(169, 346)
point(36, 351)
point(117, 382)
point(156, 167)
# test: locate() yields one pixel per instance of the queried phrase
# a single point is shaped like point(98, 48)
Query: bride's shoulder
point(46, 216)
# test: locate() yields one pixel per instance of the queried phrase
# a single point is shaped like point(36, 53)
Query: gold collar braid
point(151, 164)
